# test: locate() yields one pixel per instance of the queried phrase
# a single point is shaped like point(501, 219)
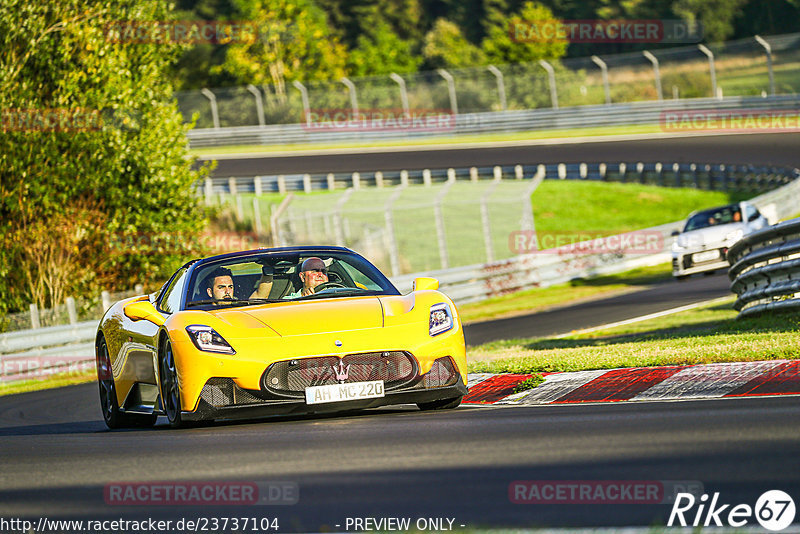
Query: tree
point(446, 47)
point(716, 16)
point(382, 52)
point(95, 188)
point(504, 46)
point(295, 43)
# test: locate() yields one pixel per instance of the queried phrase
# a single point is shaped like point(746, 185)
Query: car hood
point(708, 236)
point(320, 316)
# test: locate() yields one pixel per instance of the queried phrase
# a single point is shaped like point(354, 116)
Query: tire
point(170, 390)
point(113, 417)
point(442, 404)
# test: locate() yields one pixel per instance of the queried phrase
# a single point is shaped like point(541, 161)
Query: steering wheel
point(328, 285)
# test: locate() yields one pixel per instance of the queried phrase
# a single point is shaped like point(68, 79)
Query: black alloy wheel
point(112, 415)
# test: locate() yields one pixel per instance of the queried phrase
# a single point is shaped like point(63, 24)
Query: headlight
point(441, 319)
point(734, 236)
point(207, 339)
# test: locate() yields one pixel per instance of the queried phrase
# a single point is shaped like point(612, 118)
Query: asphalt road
point(656, 298)
point(779, 149)
point(57, 459)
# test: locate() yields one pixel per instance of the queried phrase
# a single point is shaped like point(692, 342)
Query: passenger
point(312, 273)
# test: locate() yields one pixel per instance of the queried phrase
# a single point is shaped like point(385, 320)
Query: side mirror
point(422, 284)
point(675, 233)
point(142, 310)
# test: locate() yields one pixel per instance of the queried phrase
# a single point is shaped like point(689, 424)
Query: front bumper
point(259, 404)
point(683, 263)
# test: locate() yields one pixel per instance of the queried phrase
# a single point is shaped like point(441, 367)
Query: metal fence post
point(451, 87)
point(404, 178)
point(212, 100)
point(73, 313)
point(473, 174)
point(487, 228)
point(208, 191)
point(768, 49)
point(259, 103)
point(232, 189)
point(440, 230)
point(331, 181)
point(304, 95)
point(337, 218)
point(527, 222)
point(351, 87)
point(257, 217)
point(394, 253)
point(712, 69)
point(257, 186)
point(403, 92)
point(501, 86)
point(277, 238)
point(282, 184)
point(656, 72)
point(306, 183)
point(356, 180)
point(379, 179)
point(35, 323)
point(239, 208)
point(551, 74)
point(604, 69)
point(426, 177)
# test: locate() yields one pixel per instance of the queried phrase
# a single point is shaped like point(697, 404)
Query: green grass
point(54, 381)
point(561, 208)
point(704, 335)
point(539, 299)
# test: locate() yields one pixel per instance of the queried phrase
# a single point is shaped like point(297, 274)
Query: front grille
point(224, 392)
point(293, 377)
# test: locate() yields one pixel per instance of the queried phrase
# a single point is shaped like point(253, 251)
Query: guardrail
point(720, 177)
point(651, 112)
point(765, 269)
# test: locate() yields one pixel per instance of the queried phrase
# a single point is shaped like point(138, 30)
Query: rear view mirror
point(423, 283)
point(142, 310)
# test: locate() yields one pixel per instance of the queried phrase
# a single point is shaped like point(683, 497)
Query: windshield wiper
point(349, 292)
point(227, 302)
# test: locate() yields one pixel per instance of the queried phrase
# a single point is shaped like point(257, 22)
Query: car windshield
point(714, 217)
point(283, 277)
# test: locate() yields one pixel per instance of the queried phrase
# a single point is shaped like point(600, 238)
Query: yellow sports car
point(278, 331)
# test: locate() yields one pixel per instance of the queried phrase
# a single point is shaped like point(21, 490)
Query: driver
point(219, 284)
point(313, 273)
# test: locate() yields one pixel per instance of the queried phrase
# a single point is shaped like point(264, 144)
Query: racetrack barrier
point(765, 269)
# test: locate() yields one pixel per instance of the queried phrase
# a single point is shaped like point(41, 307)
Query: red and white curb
point(676, 382)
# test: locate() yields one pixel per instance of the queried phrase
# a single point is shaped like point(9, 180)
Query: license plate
point(344, 392)
point(705, 256)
